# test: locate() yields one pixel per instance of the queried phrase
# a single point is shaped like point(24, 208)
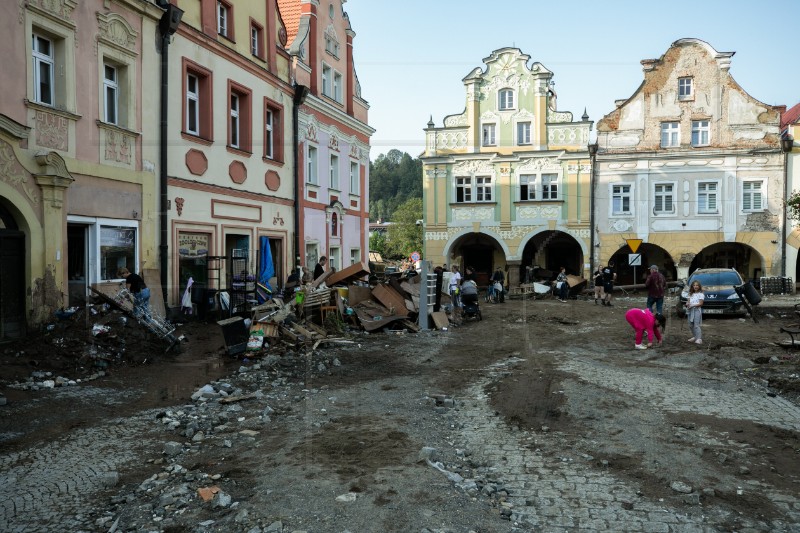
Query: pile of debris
point(323, 310)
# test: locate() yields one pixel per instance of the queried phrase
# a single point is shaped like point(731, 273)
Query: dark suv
point(718, 288)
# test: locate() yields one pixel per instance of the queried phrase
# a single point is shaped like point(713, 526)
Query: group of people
point(652, 321)
point(463, 290)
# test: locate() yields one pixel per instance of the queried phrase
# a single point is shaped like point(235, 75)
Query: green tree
point(377, 242)
point(393, 178)
point(404, 235)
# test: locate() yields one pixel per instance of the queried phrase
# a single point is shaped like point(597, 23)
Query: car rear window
point(718, 278)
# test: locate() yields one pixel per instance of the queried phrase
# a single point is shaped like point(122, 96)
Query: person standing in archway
point(656, 284)
point(609, 277)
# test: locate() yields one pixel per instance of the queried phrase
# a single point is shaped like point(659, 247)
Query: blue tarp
point(266, 270)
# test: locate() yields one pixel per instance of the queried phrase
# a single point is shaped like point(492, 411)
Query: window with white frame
point(257, 39)
point(43, 70)
point(110, 94)
point(621, 196)
point(311, 166)
point(701, 132)
point(331, 46)
point(505, 99)
point(523, 133)
point(355, 255)
point(117, 250)
point(269, 133)
point(354, 178)
point(664, 198)
point(549, 186)
point(198, 105)
point(527, 187)
point(753, 195)
point(223, 18)
point(463, 189)
point(234, 141)
point(192, 104)
point(335, 258)
point(670, 134)
point(327, 81)
point(707, 197)
point(483, 188)
point(685, 89)
point(337, 86)
point(334, 183)
point(489, 135)
point(273, 131)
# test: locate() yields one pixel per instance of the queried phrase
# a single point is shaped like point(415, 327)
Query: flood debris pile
point(78, 344)
point(320, 314)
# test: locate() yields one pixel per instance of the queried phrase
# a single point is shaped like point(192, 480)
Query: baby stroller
point(471, 308)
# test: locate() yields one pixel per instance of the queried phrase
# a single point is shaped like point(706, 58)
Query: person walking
point(642, 320)
point(694, 311)
point(562, 287)
point(609, 277)
point(656, 284)
point(598, 285)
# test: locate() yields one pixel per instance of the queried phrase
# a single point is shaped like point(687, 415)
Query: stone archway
point(745, 259)
point(545, 253)
point(651, 254)
point(480, 251)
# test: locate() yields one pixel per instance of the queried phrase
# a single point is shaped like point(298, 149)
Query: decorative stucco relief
point(558, 116)
point(567, 135)
point(115, 31)
point(473, 166)
point(52, 131)
point(620, 225)
point(118, 147)
point(533, 212)
point(473, 213)
point(539, 163)
point(310, 128)
point(12, 172)
point(60, 8)
point(451, 140)
point(454, 121)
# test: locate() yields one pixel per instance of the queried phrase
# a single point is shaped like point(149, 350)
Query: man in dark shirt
point(138, 288)
point(320, 268)
point(609, 277)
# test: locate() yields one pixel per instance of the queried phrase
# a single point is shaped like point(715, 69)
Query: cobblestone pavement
point(47, 487)
point(565, 491)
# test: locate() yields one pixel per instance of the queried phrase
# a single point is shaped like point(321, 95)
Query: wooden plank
point(410, 325)
point(323, 277)
point(390, 299)
point(353, 272)
point(440, 319)
point(318, 330)
point(304, 331)
point(357, 294)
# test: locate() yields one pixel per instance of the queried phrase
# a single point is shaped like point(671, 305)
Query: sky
point(411, 56)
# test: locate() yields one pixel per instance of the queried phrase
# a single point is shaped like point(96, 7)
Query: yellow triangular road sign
point(634, 244)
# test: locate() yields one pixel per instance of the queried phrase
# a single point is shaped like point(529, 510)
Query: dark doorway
point(479, 257)
point(77, 261)
point(12, 284)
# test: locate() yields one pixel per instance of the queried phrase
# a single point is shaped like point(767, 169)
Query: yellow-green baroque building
point(506, 182)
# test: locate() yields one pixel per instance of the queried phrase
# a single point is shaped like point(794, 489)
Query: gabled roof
point(290, 13)
point(790, 116)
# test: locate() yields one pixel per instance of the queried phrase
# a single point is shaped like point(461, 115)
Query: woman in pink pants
point(642, 320)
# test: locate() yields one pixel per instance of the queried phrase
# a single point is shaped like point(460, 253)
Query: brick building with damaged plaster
point(692, 165)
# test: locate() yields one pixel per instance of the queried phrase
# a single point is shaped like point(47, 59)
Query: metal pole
point(424, 295)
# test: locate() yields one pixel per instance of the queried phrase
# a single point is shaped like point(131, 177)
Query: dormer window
point(506, 97)
point(685, 89)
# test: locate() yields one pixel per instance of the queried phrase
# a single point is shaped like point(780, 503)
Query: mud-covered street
point(540, 417)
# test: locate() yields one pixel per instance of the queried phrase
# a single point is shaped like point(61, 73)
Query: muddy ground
point(352, 418)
